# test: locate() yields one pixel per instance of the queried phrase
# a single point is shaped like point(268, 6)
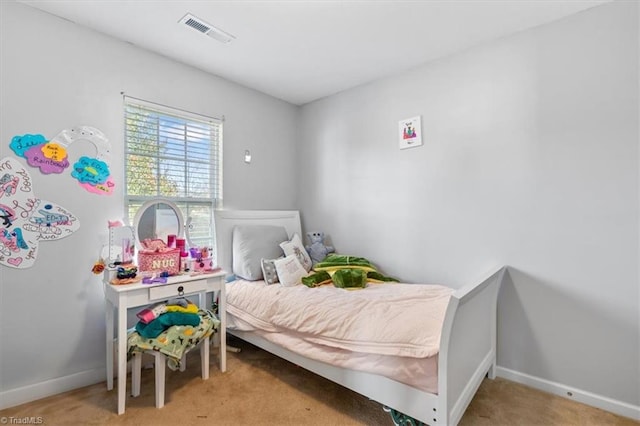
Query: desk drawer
point(177, 290)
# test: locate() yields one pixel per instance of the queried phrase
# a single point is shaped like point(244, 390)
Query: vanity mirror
point(157, 219)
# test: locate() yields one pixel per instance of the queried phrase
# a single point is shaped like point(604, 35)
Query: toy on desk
point(201, 265)
point(162, 278)
point(121, 243)
point(200, 260)
point(126, 273)
point(152, 280)
point(126, 270)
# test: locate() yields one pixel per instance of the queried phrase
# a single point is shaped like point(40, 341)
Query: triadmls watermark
point(26, 420)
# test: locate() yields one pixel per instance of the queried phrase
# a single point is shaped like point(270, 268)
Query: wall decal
point(48, 157)
point(20, 144)
point(51, 156)
point(410, 133)
point(26, 219)
point(92, 172)
point(105, 188)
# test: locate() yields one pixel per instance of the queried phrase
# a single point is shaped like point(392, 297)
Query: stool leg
point(136, 366)
point(160, 363)
point(183, 362)
point(204, 358)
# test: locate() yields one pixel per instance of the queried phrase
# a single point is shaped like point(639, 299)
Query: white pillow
point(295, 247)
point(251, 243)
point(290, 271)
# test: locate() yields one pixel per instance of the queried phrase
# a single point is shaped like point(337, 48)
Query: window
point(176, 155)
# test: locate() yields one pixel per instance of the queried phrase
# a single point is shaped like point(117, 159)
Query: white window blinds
point(175, 155)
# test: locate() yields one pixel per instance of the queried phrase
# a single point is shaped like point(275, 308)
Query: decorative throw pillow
point(295, 247)
point(269, 272)
point(254, 242)
point(290, 271)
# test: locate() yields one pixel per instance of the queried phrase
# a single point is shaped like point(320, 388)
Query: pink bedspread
point(420, 373)
point(386, 319)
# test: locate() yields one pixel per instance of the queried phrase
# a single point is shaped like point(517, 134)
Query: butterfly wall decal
point(25, 219)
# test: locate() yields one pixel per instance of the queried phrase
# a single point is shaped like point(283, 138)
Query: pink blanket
point(385, 319)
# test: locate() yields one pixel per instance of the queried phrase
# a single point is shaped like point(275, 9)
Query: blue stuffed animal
point(317, 250)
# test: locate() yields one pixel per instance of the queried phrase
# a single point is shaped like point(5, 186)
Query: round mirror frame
point(152, 204)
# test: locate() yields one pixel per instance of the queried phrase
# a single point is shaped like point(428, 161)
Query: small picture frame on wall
point(410, 133)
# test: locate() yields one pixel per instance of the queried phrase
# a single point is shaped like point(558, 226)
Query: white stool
point(160, 362)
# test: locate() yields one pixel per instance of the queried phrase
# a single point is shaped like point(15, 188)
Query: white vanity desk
point(119, 298)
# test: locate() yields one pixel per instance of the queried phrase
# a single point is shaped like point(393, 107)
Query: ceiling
point(300, 51)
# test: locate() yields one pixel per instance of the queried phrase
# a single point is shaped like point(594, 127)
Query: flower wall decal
point(25, 219)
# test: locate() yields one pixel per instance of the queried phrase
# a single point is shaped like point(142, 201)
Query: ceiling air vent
point(205, 28)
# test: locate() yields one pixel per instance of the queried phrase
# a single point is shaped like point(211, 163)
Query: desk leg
point(122, 356)
point(109, 322)
point(202, 300)
point(222, 314)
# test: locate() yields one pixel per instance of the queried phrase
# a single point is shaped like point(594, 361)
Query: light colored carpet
point(261, 389)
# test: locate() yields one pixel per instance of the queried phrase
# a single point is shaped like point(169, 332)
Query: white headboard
point(226, 220)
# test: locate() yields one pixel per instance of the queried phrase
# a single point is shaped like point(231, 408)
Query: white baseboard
point(617, 407)
point(29, 393)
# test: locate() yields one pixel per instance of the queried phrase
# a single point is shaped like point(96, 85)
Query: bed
point(466, 342)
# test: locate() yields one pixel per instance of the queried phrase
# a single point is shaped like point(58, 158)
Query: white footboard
point(467, 354)
point(468, 344)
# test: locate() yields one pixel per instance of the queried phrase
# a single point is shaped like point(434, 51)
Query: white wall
point(530, 159)
point(56, 75)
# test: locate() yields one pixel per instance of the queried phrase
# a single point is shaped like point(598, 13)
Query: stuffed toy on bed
point(344, 272)
point(317, 249)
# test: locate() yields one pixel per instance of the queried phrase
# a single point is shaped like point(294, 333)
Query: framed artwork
point(410, 133)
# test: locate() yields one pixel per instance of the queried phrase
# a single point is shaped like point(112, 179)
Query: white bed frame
point(467, 345)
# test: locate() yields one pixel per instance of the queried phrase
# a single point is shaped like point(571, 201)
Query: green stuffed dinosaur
point(344, 272)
